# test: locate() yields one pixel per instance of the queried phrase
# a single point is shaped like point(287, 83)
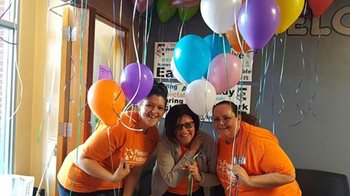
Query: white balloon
point(176, 73)
point(220, 15)
point(200, 96)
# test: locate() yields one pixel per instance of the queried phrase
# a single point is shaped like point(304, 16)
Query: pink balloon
point(225, 73)
point(142, 5)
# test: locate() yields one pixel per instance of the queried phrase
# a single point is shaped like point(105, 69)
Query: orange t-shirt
point(182, 187)
point(108, 145)
point(261, 153)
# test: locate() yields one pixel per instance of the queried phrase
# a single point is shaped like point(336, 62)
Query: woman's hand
point(241, 174)
point(193, 169)
point(122, 171)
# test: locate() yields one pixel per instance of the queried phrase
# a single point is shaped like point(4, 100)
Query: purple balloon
point(130, 80)
point(258, 22)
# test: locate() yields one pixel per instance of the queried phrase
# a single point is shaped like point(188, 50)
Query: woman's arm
point(172, 172)
point(262, 181)
point(209, 177)
point(94, 168)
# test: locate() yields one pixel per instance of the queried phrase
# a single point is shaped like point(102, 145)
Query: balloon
point(186, 14)
point(231, 36)
point(258, 22)
point(200, 96)
point(216, 44)
point(129, 81)
point(219, 15)
point(142, 5)
point(192, 57)
point(290, 11)
point(225, 73)
point(106, 100)
point(175, 72)
point(165, 10)
point(185, 3)
point(104, 72)
point(318, 7)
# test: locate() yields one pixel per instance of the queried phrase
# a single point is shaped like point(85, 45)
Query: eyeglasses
point(187, 125)
point(223, 119)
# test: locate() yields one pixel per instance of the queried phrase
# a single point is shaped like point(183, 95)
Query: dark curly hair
point(174, 115)
point(248, 118)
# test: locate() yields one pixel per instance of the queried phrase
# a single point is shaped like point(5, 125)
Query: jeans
point(65, 192)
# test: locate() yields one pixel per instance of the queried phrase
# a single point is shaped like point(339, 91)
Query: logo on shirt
point(135, 156)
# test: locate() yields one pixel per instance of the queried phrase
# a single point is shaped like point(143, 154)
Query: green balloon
point(187, 13)
point(165, 10)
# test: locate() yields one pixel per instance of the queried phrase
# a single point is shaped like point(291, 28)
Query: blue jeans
point(65, 192)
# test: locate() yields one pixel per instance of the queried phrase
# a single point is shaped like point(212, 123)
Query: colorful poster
point(163, 52)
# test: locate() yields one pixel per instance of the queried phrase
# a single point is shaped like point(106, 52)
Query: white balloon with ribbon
point(200, 96)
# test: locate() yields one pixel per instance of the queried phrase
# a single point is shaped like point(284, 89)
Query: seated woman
point(259, 165)
point(111, 160)
point(182, 150)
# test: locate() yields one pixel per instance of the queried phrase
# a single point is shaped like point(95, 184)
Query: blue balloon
point(216, 44)
point(192, 57)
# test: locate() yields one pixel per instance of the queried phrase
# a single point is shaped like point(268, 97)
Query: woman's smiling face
point(185, 130)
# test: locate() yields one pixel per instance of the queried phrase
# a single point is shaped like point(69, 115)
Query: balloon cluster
point(106, 98)
point(207, 66)
point(257, 20)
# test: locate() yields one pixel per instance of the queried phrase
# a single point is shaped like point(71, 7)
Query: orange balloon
point(106, 100)
point(231, 36)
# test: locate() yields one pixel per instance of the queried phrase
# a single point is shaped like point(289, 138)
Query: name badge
point(240, 160)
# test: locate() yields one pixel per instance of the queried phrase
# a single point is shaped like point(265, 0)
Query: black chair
point(322, 183)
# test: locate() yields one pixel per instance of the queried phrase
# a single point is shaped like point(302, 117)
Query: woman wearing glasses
point(250, 160)
point(186, 156)
point(111, 160)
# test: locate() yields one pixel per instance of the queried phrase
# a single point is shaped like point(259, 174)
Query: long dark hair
point(175, 113)
point(248, 118)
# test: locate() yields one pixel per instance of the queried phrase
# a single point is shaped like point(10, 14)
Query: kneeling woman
point(183, 150)
point(111, 160)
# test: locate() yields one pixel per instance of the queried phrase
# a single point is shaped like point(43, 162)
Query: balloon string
point(273, 86)
point(137, 56)
point(266, 62)
point(133, 32)
point(281, 74)
point(315, 84)
point(121, 41)
point(182, 26)
point(301, 111)
point(146, 36)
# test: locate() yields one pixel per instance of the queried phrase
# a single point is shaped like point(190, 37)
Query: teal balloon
point(216, 44)
point(186, 13)
point(164, 10)
point(192, 57)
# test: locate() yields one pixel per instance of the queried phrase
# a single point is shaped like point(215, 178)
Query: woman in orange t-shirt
point(112, 158)
point(250, 160)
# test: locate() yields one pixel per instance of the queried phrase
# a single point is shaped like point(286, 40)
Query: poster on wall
point(239, 94)
point(163, 52)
